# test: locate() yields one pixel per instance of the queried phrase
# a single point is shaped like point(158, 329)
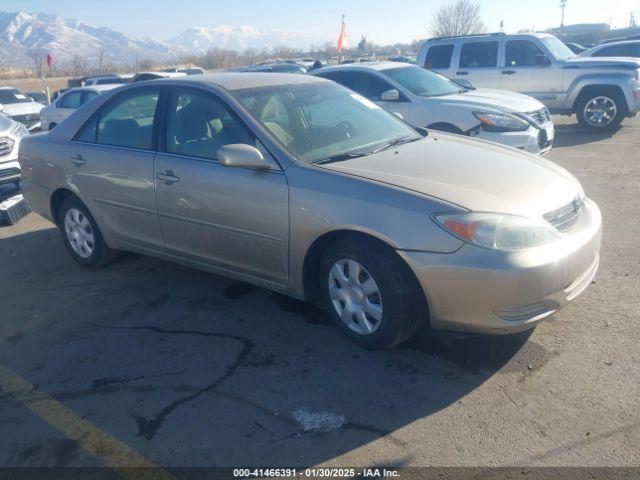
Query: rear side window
point(127, 121)
point(439, 56)
point(366, 84)
point(71, 100)
point(629, 50)
point(479, 55)
point(523, 53)
point(86, 96)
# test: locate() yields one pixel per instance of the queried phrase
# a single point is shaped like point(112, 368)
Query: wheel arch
point(600, 89)
point(445, 127)
point(313, 256)
point(57, 198)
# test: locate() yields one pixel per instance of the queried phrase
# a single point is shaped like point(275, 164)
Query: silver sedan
point(299, 185)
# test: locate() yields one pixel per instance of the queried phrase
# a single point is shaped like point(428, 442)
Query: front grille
point(28, 120)
point(541, 116)
point(9, 172)
point(6, 146)
point(566, 216)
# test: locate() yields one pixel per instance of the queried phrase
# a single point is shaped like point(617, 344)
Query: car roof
point(614, 44)
point(378, 66)
point(243, 80)
point(95, 88)
point(488, 35)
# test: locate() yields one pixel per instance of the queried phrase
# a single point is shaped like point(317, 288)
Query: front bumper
point(533, 140)
point(9, 172)
point(487, 291)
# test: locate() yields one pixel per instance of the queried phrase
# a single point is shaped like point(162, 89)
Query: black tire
point(52, 125)
point(404, 307)
point(446, 127)
point(101, 255)
point(613, 95)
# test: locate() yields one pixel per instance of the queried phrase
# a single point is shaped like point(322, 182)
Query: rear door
point(235, 219)
point(478, 63)
point(110, 161)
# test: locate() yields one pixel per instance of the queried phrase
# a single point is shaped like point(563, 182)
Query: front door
point(529, 70)
point(235, 219)
point(111, 164)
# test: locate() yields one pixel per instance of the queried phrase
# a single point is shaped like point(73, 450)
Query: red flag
point(49, 60)
point(342, 39)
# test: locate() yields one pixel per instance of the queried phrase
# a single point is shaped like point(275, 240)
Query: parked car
point(68, 103)
point(297, 184)
point(629, 48)
point(40, 97)
point(618, 39)
point(11, 133)
point(144, 76)
point(21, 108)
point(58, 93)
point(100, 79)
point(601, 92)
point(427, 99)
point(576, 48)
point(186, 71)
point(278, 67)
point(402, 59)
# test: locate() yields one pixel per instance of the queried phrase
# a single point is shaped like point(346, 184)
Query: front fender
point(623, 82)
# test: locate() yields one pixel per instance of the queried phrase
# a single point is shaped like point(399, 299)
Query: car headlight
point(20, 130)
point(501, 122)
point(498, 231)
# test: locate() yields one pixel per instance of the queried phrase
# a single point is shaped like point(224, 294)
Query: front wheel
point(81, 235)
point(601, 112)
point(370, 293)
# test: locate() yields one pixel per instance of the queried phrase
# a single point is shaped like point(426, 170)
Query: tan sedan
point(299, 185)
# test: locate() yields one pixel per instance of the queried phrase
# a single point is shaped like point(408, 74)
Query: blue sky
point(382, 21)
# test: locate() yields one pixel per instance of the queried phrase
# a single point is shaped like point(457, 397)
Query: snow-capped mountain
point(23, 33)
point(238, 38)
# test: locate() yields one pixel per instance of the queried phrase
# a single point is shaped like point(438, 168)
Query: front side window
point(366, 84)
point(523, 53)
point(199, 124)
point(324, 120)
point(126, 121)
point(86, 96)
point(422, 82)
point(439, 56)
point(479, 55)
point(70, 100)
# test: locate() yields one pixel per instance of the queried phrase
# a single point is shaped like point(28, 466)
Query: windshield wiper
point(349, 155)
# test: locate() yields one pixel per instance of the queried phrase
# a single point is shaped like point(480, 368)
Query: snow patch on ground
point(318, 421)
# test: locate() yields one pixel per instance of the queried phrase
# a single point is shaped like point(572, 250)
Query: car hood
point(6, 124)
point(473, 174)
point(24, 108)
point(603, 62)
point(493, 100)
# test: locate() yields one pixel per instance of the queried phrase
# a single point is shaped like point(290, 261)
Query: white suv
point(427, 99)
point(600, 91)
point(11, 132)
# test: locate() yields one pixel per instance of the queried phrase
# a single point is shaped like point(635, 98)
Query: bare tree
point(37, 62)
point(78, 65)
point(459, 17)
point(101, 61)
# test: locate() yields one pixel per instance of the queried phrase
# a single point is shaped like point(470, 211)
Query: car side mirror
point(541, 61)
point(392, 95)
point(243, 156)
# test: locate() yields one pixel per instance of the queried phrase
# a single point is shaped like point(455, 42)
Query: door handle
point(508, 72)
point(78, 160)
point(462, 74)
point(168, 177)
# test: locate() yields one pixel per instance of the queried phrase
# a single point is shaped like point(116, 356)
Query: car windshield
point(558, 49)
point(11, 95)
point(423, 82)
point(322, 121)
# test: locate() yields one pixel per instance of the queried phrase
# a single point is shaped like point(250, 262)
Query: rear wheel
point(52, 125)
point(81, 235)
point(370, 293)
point(601, 111)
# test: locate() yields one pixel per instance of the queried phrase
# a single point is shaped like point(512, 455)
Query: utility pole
point(563, 5)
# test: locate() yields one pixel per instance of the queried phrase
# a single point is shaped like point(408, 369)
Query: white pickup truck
point(600, 91)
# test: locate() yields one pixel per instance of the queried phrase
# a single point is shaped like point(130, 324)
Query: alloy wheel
point(600, 111)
